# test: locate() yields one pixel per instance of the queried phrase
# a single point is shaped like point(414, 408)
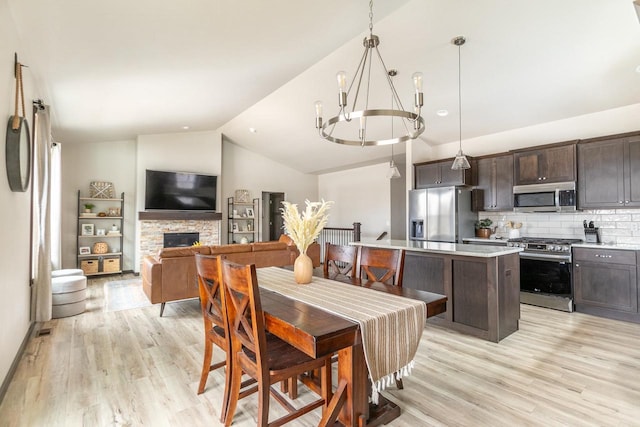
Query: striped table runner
point(390, 325)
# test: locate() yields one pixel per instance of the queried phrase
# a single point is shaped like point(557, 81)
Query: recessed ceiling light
point(185, 127)
point(638, 69)
point(442, 113)
point(252, 130)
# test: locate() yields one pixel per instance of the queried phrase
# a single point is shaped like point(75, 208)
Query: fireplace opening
point(176, 240)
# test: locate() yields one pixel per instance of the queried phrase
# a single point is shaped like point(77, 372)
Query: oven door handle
point(546, 257)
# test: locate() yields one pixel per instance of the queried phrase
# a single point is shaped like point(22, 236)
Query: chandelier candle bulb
point(342, 81)
point(319, 109)
point(417, 83)
point(318, 114)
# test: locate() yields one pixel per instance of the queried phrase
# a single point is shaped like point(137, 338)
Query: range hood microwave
point(552, 197)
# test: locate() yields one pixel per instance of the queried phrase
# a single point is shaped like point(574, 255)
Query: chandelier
point(360, 112)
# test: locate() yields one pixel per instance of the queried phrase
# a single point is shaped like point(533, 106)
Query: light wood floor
point(133, 368)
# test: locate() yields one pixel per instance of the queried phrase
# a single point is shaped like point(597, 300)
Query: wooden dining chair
point(380, 265)
point(261, 355)
point(215, 325)
point(340, 261)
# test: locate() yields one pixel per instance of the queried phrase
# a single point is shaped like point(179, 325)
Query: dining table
point(320, 331)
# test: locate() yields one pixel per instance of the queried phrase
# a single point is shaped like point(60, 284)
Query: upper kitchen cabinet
point(555, 163)
point(495, 178)
point(609, 172)
point(440, 174)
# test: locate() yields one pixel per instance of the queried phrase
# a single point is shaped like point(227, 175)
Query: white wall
point(105, 161)
point(15, 213)
point(360, 195)
point(198, 152)
point(243, 169)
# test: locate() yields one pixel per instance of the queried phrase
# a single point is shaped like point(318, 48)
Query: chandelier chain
point(370, 16)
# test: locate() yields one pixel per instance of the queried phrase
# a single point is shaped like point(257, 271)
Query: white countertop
point(621, 246)
point(471, 250)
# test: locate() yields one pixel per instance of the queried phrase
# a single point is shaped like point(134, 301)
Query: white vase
point(303, 269)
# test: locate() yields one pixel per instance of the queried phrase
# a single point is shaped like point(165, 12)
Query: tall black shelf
point(94, 264)
point(243, 221)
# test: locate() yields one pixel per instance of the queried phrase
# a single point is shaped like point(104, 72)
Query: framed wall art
point(87, 229)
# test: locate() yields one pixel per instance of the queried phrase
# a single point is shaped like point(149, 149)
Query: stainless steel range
point(545, 271)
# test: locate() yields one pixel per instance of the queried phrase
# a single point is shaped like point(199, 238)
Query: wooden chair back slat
point(340, 260)
point(210, 290)
point(244, 309)
point(380, 265)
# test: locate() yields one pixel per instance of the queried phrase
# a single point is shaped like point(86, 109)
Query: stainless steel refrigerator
point(441, 214)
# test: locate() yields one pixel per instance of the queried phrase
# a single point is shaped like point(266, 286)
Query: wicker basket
point(89, 266)
point(111, 265)
point(100, 248)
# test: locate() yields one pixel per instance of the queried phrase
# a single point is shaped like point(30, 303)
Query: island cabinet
point(555, 163)
point(440, 174)
point(483, 292)
point(495, 179)
point(609, 172)
point(606, 282)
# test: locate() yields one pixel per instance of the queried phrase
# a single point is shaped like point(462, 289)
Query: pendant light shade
point(460, 162)
point(393, 171)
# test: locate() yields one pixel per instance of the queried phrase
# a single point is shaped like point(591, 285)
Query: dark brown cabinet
point(495, 178)
point(545, 165)
point(605, 282)
point(483, 293)
point(609, 173)
point(440, 174)
point(423, 272)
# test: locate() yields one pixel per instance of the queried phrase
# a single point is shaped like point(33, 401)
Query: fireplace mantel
point(179, 215)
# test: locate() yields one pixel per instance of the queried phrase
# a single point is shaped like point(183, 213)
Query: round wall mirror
point(18, 155)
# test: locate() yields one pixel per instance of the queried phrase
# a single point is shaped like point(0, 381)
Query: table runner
point(391, 326)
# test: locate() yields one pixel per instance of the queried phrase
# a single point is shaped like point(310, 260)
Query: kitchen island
point(481, 282)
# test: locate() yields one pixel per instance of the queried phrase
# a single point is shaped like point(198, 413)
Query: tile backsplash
point(616, 225)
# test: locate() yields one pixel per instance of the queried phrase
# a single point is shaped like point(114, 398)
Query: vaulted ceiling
point(116, 69)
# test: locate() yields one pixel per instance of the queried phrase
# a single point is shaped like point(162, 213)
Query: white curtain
point(41, 212)
point(56, 206)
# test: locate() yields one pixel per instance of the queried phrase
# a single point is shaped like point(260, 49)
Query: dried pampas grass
point(304, 229)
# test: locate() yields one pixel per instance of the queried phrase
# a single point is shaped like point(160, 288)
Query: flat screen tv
point(180, 191)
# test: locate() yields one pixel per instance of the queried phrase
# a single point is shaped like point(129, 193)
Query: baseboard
point(16, 361)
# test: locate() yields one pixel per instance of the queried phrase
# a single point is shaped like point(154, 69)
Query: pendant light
point(393, 169)
point(460, 162)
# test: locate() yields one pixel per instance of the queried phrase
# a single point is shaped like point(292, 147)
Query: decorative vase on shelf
point(303, 269)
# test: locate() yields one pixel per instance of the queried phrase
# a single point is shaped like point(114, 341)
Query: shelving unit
point(94, 264)
point(241, 224)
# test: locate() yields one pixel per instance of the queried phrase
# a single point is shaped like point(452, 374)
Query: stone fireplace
point(153, 226)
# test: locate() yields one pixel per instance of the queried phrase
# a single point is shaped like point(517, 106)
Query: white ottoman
point(69, 296)
point(67, 272)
